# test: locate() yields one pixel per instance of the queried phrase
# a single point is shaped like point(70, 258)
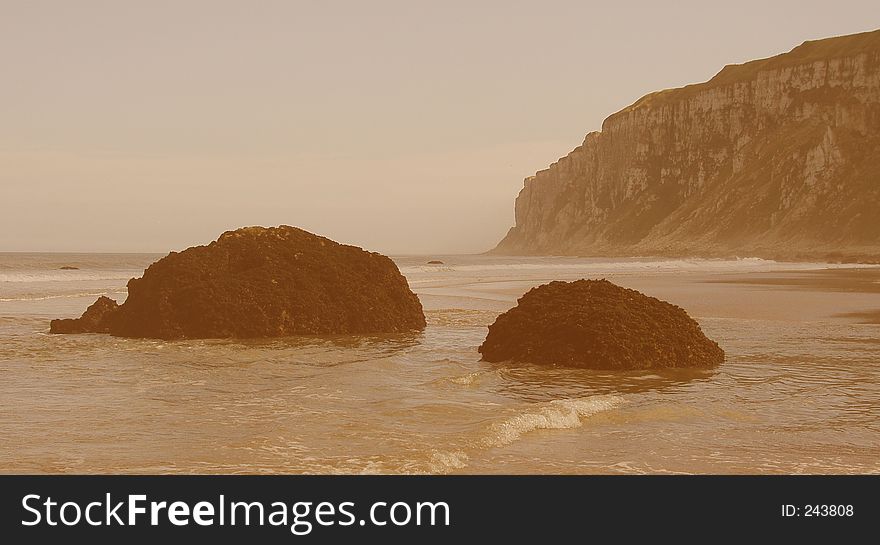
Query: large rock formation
point(262, 282)
point(598, 325)
point(775, 158)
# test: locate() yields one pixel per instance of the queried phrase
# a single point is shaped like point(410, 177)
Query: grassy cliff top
point(806, 53)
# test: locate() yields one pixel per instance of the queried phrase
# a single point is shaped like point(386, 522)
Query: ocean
point(799, 391)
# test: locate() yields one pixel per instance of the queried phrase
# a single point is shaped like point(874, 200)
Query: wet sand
point(864, 281)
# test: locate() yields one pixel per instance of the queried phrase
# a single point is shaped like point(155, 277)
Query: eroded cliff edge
point(776, 158)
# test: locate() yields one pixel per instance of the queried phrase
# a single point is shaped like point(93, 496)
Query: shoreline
point(426, 403)
point(839, 294)
point(831, 257)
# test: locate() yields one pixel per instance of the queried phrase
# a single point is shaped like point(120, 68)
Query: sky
point(404, 127)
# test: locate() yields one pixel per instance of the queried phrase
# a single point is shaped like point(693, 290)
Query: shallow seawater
point(799, 392)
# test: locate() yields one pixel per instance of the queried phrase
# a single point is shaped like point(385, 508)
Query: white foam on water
point(61, 296)
point(468, 379)
point(444, 462)
point(65, 276)
point(558, 414)
point(745, 264)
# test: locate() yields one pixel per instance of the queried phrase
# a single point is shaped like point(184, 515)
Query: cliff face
point(775, 158)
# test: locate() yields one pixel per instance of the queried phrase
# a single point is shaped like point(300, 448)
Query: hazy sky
point(403, 127)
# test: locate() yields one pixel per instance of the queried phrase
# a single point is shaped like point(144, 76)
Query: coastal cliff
point(776, 158)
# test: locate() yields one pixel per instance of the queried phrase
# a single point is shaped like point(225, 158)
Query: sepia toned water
point(799, 392)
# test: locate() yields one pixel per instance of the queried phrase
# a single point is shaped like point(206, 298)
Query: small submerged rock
point(597, 324)
point(261, 282)
point(68, 268)
point(435, 262)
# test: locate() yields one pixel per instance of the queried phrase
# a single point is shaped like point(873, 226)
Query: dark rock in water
point(96, 319)
point(596, 324)
point(68, 268)
point(435, 262)
point(268, 282)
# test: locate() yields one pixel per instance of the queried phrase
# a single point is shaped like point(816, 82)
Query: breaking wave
point(558, 414)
